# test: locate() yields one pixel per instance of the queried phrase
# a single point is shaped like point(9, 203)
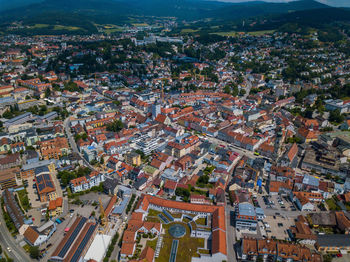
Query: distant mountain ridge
point(84, 14)
point(182, 9)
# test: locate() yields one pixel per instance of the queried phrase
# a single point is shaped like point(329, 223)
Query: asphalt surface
point(230, 233)
point(9, 243)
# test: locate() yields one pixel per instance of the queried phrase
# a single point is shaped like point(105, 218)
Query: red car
point(339, 255)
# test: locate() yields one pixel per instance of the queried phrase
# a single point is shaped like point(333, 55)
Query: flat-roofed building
point(9, 177)
point(246, 217)
point(333, 243)
point(98, 248)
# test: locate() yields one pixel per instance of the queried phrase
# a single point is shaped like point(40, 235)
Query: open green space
point(188, 30)
point(201, 221)
point(23, 198)
point(140, 24)
point(55, 27)
point(332, 205)
point(187, 246)
point(69, 28)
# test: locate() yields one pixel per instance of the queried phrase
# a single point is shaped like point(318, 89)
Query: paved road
point(72, 142)
point(248, 87)
point(230, 233)
point(115, 253)
point(239, 150)
point(6, 240)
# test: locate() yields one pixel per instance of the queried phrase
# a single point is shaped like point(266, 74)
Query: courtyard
point(187, 246)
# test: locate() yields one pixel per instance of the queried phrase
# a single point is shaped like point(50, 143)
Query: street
point(230, 233)
point(239, 150)
point(72, 142)
point(6, 240)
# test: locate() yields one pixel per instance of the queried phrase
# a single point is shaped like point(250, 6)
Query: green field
point(55, 27)
point(69, 28)
point(188, 30)
point(140, 24)
point(39, 26)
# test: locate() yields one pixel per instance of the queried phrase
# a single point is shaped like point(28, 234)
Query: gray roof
point(259, 211)
point(246, 209)
point(311, 180)
point(41, 169)
point(334, 240)
point(140, 182)
point(17, 118)
point(120, 209)
point(323, 219)
point(52, 114)
point(38, 164)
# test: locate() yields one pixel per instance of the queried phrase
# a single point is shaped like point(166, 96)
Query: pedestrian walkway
point(158, 246)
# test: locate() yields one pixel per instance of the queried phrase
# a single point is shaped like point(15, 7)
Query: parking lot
point(277, 226)
point(33, 195)
point(274, 202)
point(94, 197)
point(67, 221)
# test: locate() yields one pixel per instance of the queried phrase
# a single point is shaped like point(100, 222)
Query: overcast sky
point(328, 2)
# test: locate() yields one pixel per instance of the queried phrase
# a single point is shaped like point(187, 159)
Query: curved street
point(9, 244)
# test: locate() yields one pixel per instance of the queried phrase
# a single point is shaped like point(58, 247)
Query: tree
point(235, 91)
point(34, 252)
point(336, 117)
point(115, 126)
point(47, 92)
point(227, 90)
point(242, 92)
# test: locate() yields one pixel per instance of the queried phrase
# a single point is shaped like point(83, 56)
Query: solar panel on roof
point(39, 179)
point(47, 177)
point(72, 237)
point(83, 244)
point(49, 184)
point(41, 187)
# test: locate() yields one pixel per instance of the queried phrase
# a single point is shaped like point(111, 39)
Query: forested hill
point(80, 16)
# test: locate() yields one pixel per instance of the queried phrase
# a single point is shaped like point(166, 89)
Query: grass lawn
point(152, 243)
point(40, 25)
point(201, 221)
point(231, 33)
point(110, 31)
point(62, 27)
point(187, 246)
point(26, 247)
point(23, 198)
point(186, 220)
point(204, 251)
point(262, 32)
point(176, 215)
point(153, 213)
point(188, 30)
point(153, 219)
point(332, 205)
point(140, 24)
